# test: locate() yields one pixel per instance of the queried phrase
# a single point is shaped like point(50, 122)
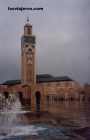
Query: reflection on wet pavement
point(64, 121)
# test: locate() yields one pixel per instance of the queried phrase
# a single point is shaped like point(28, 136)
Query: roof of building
point(12, 82)
point(41, 78)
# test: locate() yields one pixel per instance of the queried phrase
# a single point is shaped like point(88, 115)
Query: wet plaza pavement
point(64, 121)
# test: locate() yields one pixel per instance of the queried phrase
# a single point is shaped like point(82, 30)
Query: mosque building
point(42, 89)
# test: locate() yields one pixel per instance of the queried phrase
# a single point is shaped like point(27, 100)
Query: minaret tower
point(28, 74)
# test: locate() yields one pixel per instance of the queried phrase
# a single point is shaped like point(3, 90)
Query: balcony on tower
point(28, 29)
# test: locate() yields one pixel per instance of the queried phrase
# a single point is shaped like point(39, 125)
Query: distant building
point(38, 90)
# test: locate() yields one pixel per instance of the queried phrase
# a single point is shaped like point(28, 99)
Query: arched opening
point(20, 95)
point(38, 100)
point(48, 99)
point(6, 94)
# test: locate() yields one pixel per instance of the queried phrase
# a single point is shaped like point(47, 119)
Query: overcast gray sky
point(62, 33)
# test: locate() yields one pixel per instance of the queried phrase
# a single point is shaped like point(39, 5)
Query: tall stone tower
point(28, 74)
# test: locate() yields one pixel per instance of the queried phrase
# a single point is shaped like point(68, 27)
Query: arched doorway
point(20, 95)
point(6, 94)
point(38, 100)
